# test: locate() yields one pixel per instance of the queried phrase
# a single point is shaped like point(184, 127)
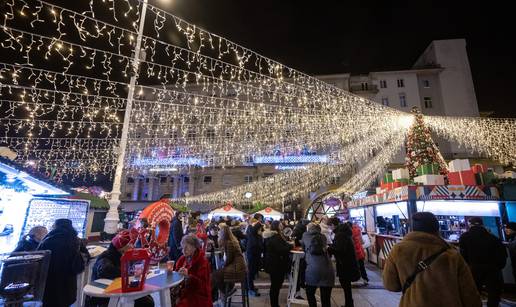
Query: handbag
point(366, 242)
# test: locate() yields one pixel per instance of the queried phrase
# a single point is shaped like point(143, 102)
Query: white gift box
point(379, 190)
point(459, 165)
point(400, 173)
point(509, 174)
point(430, 179)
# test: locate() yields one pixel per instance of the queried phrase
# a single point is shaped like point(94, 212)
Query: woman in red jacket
point(194, 266)
point(359, 251)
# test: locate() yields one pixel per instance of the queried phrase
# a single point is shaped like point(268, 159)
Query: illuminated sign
point(291, 159)
point(289, 167)
point(168, 162)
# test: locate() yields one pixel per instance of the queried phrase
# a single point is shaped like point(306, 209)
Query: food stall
point(27, 200)
point(387, 214)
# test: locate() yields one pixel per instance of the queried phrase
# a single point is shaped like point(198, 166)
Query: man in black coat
point(175, 237)
point(253, 252)
point(276, 259)
point(66, 262)
point(486, 257)
point(108, 266)
point(346, 262)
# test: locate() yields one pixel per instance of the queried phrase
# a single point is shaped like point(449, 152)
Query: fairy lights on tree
point(421, 148)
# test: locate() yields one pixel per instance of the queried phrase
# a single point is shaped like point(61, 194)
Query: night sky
point(321, 37)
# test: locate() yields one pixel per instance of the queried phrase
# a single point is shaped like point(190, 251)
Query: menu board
point(44, 212)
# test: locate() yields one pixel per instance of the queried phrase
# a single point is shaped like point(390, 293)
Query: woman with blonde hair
point(234, 267)
point(30, 241)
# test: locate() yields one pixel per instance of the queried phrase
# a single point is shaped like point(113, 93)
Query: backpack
point(317, 245)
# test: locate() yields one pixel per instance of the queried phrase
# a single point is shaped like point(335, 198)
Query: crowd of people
point(420, 266)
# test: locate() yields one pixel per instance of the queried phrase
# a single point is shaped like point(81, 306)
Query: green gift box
point(485, 178)
point(387, 178)
point(428, 169)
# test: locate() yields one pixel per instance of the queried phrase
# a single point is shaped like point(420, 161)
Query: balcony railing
point(361, 88)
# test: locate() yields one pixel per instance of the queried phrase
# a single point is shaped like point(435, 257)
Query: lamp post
point(112, 219)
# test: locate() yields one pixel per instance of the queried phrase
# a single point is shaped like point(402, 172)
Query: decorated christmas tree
point(421, 149)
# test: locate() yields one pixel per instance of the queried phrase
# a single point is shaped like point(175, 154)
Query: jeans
point(348, 294)
point(325, 296)
point(276, 283)
point(363, 272)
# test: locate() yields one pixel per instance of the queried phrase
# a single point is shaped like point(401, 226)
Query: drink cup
point(170, 265)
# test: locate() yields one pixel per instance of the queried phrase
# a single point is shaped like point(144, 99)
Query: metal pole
point(112, 219)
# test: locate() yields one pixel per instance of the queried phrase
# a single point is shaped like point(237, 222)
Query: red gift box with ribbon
point(462, 178)
point(479, 168)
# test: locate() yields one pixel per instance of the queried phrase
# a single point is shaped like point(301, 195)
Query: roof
point(35, 182)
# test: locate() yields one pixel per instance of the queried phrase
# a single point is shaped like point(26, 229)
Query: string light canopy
point(71, 77)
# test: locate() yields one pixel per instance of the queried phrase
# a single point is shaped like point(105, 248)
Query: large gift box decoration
point(400, 173)
point(462, 178)
point(479, 168)
point(459, 165)
point(428, 169)
point(430, 179)
point(387, 178)
point(485, 178)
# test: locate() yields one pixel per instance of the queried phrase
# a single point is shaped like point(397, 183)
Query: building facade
point(439, 83)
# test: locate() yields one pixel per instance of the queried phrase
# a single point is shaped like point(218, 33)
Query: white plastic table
point(161, 282)
point(293, 277)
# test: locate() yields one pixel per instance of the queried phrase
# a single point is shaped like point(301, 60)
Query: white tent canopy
point(226, 211)
point(271, 213)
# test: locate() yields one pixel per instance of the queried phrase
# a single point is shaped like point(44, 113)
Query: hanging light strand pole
point(112, 219)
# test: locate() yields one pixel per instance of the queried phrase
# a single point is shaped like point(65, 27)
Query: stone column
point(136, 187)
point(150, 189)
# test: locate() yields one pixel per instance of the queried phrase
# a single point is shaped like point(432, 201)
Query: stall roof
point(226, 211)
point(270, 212)
point(35, 184)
point(429, 192)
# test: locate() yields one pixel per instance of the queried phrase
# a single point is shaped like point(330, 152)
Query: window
point(210, 134)
point(248, 179)
point(147, 180)
point(130, 180)
point(207, 179)
point(364, 86)
point(383, 84)
point(138, 135)
point(128, 195)
point(385, 101)
point(186, 179)
point(248, 159)
point(428, 102)
point(171, 179)
point(403, 100)
point(265, 175)
point(426, 83)
point(401, 83)
point(226, 180)
point(163, 179)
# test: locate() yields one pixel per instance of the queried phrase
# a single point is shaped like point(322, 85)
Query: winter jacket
point(276, 253)
point(298, 232)
point(66, 262)
point(108, 266)
point(511, 246)
point(446, 282)
point(254, 245)
point(27, 244)
point(197, 291)
point(319, 268)
point(174, 239)
point(482, 250)
point(234, 266)
point(357, 241)
point(239, 234)
point(343, 250)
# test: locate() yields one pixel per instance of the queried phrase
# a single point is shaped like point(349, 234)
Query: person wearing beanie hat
point(108, 266)
point(510, 234)
point(486, 257)
point(448, 274)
